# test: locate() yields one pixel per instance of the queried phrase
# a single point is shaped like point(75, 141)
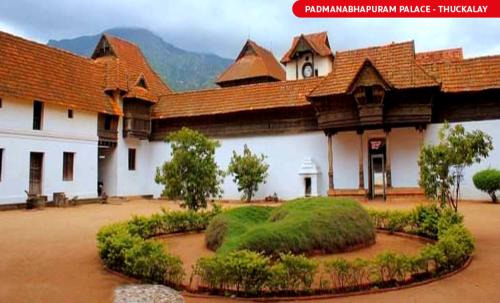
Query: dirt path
point(50, 256)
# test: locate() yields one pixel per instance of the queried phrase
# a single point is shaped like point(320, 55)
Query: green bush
point(389, 266)
point(299, 226)
point(148, 261)
point(242, 270)
point(456, 245)
point(124, 246)
point(488, 180)
point(292, 273)
point(248, 171)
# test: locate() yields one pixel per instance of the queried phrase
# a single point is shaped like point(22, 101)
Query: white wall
point(345, 160)
point(59, 134)
point(404, 148)
point(285, 154)
point(322, 64)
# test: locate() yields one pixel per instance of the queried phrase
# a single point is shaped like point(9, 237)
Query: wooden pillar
point(330, 162)
point(388, 158)
point(360, 160)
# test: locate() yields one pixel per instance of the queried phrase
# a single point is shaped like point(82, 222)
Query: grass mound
point(298, 226)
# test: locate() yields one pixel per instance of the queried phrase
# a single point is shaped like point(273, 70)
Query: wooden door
point(36, 167)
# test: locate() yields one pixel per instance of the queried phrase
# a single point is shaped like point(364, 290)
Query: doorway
point(36, 173)
point(376, 166)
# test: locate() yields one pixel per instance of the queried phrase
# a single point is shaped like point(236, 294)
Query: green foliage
point(425, 220)
point(488, 180)
point(456, 245)
point(124, 246)
point(389, 266)
point(250, 272)
point(248, 171)
point(148, 261)
point(192, 174)
point(442, 165)
point(299, 226)
point(348, 274)
point(292, 273)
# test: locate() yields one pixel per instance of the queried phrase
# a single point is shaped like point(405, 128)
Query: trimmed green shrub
point(292, 273)
point(299, 226)
point(456, 245)
point(124, 246)
point(148, 261)
point(488, 180)
point(389, 267)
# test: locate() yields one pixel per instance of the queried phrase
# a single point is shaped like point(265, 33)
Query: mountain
point(180, 69)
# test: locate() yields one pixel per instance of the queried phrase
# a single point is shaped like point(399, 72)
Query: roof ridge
point(248, 85)
point(375, 47)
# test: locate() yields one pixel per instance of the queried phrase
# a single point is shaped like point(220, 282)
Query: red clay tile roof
point(395, 62)
point(252, 62)
point(33, 71)
point(317, 41)
point(473, 74)
point(235, 99)
point(444, 55)
point(127, 67)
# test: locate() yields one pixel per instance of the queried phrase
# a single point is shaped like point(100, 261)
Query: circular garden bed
point(264, 251)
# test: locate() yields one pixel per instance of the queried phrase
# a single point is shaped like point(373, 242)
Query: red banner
point(396, 9)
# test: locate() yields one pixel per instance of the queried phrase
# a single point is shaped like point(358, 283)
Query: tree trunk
point(493, 197)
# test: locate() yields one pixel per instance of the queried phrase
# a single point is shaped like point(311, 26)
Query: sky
point(222, 26)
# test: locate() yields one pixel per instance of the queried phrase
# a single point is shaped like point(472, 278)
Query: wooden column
point(330, 162)
point(388, 158)
point(360, 160)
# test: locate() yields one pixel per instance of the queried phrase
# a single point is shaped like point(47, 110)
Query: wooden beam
point(388, 158)
point(360, 160)
point(330, 162)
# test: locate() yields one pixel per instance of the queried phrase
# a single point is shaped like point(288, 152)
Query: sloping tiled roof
point(128, 67)
point(258, 62)
point(235, 99)
point(395, 62)
point(317, 41)
point(33, 71)
point(467, 75)
point(444, 55)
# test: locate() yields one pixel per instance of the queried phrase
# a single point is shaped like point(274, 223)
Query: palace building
point(339, 123)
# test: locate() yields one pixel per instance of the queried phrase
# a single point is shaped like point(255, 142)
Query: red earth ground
point(50, 255)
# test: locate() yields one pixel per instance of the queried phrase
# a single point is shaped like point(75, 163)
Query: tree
point(192, 174)
point(442, 165)
point(248, 170)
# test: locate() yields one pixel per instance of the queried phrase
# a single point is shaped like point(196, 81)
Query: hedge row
point(250, 273)
point(125, 247)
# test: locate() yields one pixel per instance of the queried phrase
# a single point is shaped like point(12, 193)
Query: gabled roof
point(253, 61)
point(318, 42)
point(125, 66)
point(395, 62)
point(473, 74)
point(280, 94)
point(33, 71)
point(444, 55)
point(369, 68)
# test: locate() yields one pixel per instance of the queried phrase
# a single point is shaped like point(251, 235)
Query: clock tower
point(309, 56)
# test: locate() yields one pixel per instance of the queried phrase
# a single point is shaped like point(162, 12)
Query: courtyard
point(50, 255)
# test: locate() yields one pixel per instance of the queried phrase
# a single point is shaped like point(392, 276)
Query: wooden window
point(107, 122)
point(70, 113)
point(68, 159)
point(1, 161)
point(37, 115)
point(131, 159)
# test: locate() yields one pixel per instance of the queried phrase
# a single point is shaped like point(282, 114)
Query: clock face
point(307, 70)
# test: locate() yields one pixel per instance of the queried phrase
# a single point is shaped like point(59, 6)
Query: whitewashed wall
point(285, 154)
point(59, 134)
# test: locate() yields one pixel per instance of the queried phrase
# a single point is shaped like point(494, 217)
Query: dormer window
point(142, 83)
point(369, 94)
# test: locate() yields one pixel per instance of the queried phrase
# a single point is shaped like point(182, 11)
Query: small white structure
point(309, 173)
